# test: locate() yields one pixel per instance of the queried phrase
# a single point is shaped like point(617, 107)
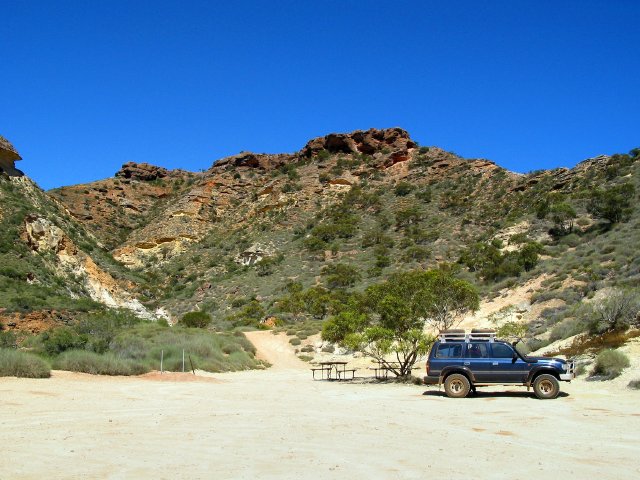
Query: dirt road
point(280, 424)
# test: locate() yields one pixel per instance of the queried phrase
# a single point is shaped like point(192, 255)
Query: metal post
point(183, 360)
point(161, 360)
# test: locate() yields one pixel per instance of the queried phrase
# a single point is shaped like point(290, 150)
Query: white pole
point(183, 360)
point(161, 360)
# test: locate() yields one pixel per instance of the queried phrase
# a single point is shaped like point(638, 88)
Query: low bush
point(196, 319)
point(14, 363)
point(96, 364)
point(610, 364)
point(635, 384)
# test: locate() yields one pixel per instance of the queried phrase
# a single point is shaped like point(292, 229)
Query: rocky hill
point(255, 233)
point(51, 267)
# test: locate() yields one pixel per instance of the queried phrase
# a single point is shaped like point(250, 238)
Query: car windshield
point(522, 349)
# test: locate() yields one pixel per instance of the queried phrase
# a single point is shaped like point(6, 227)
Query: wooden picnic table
point(333, 370)
point(381, 371)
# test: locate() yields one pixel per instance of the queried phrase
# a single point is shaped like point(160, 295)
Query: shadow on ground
point(485, 394)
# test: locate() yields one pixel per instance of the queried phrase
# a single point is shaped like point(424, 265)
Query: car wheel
point(457, 386)
point(546, 386)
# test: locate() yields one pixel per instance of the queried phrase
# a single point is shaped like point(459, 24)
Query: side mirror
point(514, 358)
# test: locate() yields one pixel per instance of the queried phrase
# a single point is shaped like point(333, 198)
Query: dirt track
point(280, 424)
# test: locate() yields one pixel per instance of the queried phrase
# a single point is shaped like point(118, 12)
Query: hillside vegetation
point(299, 237)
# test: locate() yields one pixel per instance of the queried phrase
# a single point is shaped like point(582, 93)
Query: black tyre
point(546, 386)
point(457, 386)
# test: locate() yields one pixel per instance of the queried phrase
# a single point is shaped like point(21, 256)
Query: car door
point(478, 359)
point(445, 355)
point(506, 365)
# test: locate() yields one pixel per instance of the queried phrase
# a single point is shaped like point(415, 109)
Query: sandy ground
point(280, 424)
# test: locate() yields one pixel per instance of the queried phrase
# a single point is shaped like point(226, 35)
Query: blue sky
point(87, 86)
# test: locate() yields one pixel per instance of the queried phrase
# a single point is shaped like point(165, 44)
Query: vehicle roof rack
point(476, 335)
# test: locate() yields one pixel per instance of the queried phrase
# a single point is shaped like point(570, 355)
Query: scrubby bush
point(403, 189)
point(613, 204)
point(95, 364)
point(8, 339)
point(196, 319)
point(610, 364)
point(618, 311)
point(14, 363)
point(340, 275)
point(635, 384)
point(61, 339)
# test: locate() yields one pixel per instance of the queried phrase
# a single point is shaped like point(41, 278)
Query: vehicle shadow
point(489, 394)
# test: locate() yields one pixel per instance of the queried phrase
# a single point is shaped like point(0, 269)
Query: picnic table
point(381, 370)
point(333, 370)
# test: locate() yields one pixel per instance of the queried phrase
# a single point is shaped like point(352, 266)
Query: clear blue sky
point(89, 85)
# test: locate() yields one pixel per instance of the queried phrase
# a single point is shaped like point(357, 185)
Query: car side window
point(500, 350)
point(449, 350)
point(477, 350)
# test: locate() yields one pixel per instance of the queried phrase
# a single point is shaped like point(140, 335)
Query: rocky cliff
point(253, 223)
point(8, 156)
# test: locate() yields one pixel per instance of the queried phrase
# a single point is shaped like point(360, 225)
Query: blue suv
point(464, 361)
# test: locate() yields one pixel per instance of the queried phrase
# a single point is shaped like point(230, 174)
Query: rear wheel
point(546, 386)
point(457, 386)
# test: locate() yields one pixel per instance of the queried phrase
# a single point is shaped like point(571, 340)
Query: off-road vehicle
point(463, 361)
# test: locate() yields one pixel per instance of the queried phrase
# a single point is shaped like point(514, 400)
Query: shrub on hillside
point(340, 275)
point(610, 364)
point(635, 384)
point(61, 339)
point(14, 363)
point(196, 320)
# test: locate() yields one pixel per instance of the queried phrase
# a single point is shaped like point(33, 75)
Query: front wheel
point(546, 386)
point(457, 386)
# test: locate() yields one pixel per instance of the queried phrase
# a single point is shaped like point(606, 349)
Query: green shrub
point(635, 384)
point(96, 364)
point(402, 189)
point(295, 341)
point(14, 363)
point(610, 364)
point(8, 340)
point(340, 275)
point(61, 339)
point(196, 320)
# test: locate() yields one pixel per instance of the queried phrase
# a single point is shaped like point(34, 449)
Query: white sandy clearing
point(279, 423)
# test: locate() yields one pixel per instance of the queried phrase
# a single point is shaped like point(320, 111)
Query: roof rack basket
point(476, 335)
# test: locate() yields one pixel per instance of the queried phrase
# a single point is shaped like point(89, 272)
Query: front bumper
point(571, 371)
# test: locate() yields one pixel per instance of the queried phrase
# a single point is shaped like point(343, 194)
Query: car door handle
point(467, 363)
point(495, 363)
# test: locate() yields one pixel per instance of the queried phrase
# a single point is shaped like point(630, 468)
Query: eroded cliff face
point(69, 262)
point(8, 156)
point(47, 253)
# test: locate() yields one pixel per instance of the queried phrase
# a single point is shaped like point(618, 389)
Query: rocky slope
point(229, 240)
point(50, 265)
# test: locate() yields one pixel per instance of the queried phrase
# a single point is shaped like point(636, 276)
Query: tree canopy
point(390, 317)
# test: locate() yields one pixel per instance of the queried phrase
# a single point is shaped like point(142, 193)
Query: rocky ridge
point(201, 237)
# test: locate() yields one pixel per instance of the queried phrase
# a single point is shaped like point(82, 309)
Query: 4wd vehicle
point(464, 361)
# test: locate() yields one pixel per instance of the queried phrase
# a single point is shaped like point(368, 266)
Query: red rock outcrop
point(8, 156)
point(141, 171)
point(361, 141)
point(261, 161)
